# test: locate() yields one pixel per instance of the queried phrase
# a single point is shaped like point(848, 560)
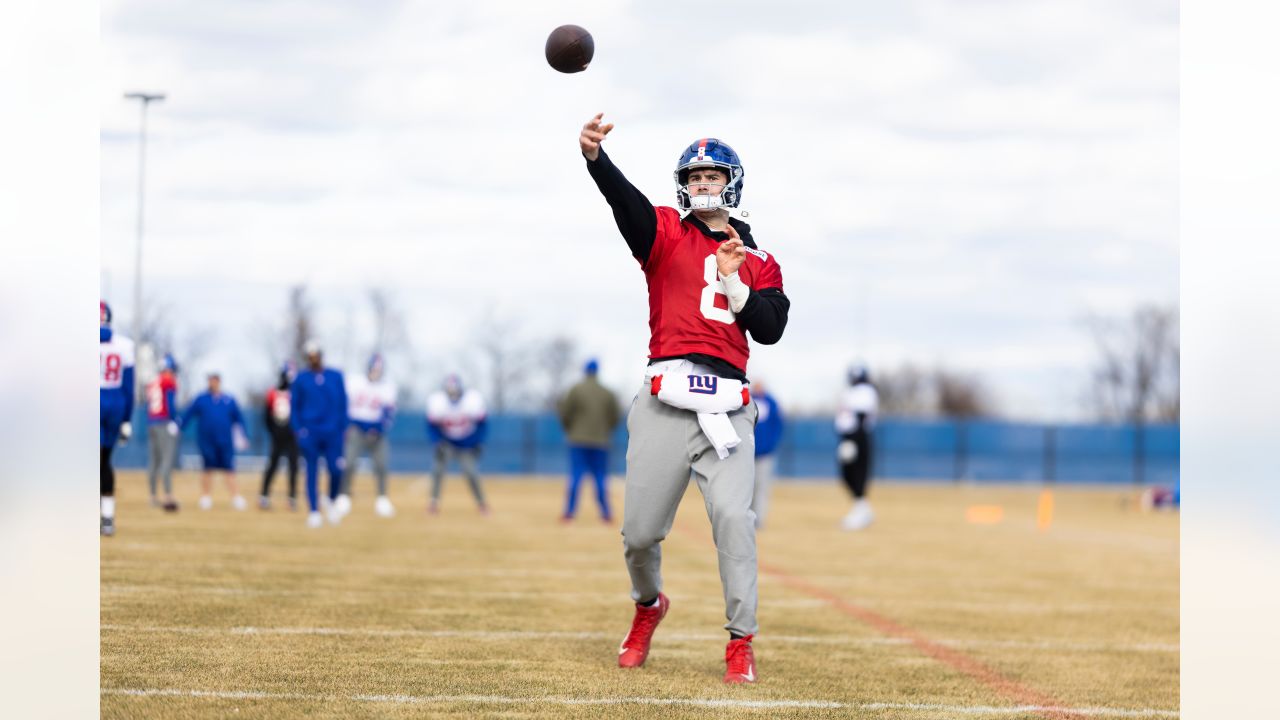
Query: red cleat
point(635, 648)
point(740, 661)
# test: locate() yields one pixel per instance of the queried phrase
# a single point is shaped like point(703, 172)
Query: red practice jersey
point(688, 310)
point(160, 393)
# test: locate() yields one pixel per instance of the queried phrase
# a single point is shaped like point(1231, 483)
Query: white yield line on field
point(836, 640)
point(683, 702)
point(1038, 608)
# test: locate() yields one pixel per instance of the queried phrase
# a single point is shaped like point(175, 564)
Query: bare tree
point(505, 357)
point(909, 391)
point(300, 321)
point(557, 360)
point(904, 391)
point(960, 395)
point(391, 338)
point(192, 346)
point(1136, 375)
point(157, 326)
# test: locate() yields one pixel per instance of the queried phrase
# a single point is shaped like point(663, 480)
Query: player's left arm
point(758, 301)
point(126, 386)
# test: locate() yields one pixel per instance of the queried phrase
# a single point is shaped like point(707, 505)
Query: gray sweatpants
point(765, 465)
point(162, 453)
point(468, 458)
point(359, 443)
point(666, 444)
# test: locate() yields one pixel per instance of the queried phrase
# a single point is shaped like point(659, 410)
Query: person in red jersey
point(162, 432)
point(710, 286)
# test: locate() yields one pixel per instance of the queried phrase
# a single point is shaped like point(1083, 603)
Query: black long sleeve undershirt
point(764, 315)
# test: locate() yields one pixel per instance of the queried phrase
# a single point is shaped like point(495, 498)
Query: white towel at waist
point(694, 387)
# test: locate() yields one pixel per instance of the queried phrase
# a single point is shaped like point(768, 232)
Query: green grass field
point(250, 614)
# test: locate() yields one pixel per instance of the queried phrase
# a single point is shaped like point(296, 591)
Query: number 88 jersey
point(688, 310)
point(114, 357)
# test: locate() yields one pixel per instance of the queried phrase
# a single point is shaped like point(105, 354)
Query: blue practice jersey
point(319, 402)
point(768, 425)
point(216, 415)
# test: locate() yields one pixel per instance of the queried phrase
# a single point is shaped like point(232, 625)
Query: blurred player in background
point(855, 420)
point(219, 435)
point(319, 417)
point(768, 435)
point(162, 432)
point(371, 407)
point(284, 444)
point(115, 407)
point(589, 413)
point(709, 285)
point(457, 423)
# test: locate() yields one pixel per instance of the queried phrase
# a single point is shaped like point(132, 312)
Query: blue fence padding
point(973, 450)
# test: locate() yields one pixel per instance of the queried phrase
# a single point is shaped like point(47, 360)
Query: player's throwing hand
point(593, 134)
point(731, 253)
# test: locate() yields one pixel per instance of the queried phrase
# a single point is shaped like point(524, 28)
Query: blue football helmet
point(104, 314)
point(712, 153)
point(452, 386)
point(169, 363)
point(376, 365)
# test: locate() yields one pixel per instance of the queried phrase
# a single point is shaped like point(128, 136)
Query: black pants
point(107, 479)
point(857, 474)
point(283, 444)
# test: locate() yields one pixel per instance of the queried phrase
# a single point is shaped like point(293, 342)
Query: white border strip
point(683, 702)
point(675, 637)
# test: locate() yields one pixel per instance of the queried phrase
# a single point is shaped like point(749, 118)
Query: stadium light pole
point(144, 100)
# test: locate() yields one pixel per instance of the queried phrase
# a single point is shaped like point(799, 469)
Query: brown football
point(569, 49)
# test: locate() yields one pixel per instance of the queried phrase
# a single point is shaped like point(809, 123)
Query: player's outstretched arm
point(593, 133)
point(632, 211)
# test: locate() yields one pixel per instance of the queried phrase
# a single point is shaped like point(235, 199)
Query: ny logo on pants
point(703, 384)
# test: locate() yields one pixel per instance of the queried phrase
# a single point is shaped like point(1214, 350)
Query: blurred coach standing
point(768, 435)
point(589, 413)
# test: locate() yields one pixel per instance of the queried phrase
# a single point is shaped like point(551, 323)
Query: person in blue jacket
point(319, 419)
point(219, 434)
point(768, 435)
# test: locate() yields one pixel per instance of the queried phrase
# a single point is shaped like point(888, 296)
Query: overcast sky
point(953, 183)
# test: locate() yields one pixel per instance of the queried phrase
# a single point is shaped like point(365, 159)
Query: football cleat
point(859, 516)
point(264, 502)
point(635, 646)
point(206, 502)
point(170, 506)
point(238, 502)
point(314, 520)
point(739, 661)
point(108, 527)
point(383, 507)
point(342, 504)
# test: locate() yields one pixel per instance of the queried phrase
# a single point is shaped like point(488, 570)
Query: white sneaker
point(342, 505)
point(859, 517)
point(334, 516)
point(325, 503)
point(238, 502)
point(314, 520)
point(206, 502)
point(383, 507)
